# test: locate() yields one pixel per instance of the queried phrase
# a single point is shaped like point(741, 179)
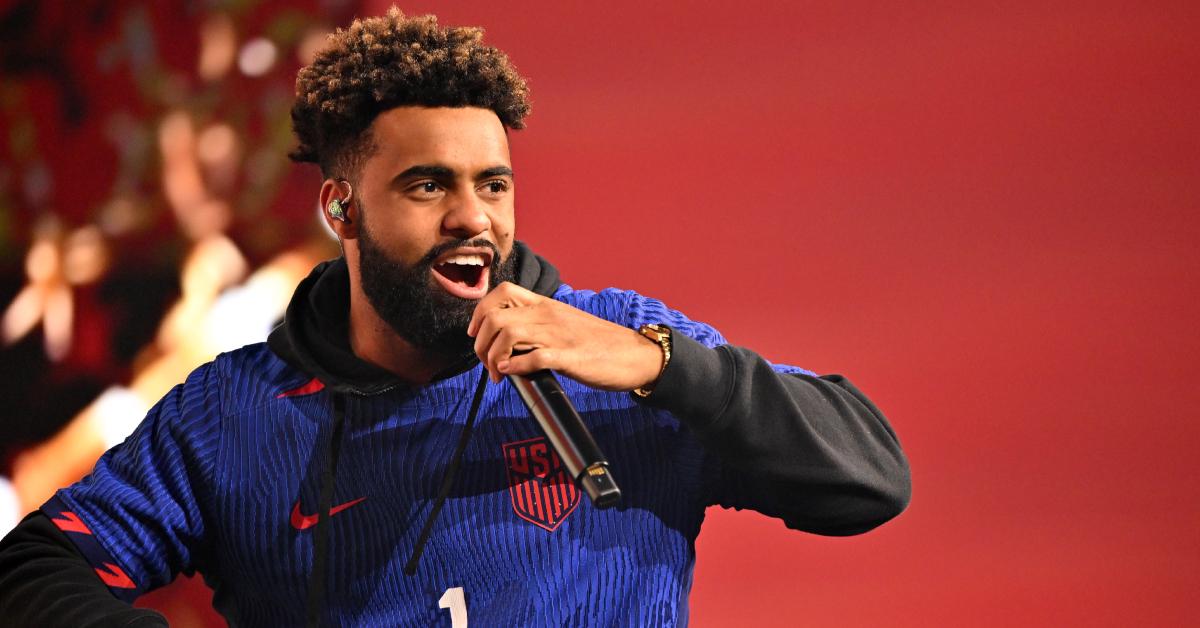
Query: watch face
point(655, 332)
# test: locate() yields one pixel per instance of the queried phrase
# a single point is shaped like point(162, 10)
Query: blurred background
point(984, 214)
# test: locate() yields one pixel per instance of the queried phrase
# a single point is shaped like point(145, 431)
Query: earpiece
point(337, 206)
point(336, 211)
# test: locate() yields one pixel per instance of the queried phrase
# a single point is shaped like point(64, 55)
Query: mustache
point(437, 251)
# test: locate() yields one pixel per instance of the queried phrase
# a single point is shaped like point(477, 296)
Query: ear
point(338, 195)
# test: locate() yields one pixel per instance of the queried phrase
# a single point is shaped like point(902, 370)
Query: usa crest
point(541, 490)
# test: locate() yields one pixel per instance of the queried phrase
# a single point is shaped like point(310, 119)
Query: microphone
point(572, 440)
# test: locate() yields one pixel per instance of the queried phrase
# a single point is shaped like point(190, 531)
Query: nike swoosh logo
point(304, 522)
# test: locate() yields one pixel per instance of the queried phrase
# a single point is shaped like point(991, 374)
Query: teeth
point(465, 260)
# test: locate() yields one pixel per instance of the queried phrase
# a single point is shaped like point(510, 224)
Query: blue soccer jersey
point(224, 478)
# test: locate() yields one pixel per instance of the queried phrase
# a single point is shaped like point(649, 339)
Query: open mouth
point(464, 273)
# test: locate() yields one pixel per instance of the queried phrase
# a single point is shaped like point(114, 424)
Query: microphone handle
point(564, 428)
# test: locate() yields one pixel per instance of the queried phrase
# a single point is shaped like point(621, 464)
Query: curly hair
point(391, 61)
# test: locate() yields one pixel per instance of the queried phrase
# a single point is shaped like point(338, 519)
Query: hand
point(586, 348)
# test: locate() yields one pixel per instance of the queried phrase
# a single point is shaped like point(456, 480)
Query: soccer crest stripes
point(541, 490)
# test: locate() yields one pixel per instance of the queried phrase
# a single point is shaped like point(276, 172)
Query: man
point(370, 464)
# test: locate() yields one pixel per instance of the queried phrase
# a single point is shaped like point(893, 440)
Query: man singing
point(372, 465)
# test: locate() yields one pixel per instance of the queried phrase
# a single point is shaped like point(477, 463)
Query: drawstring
point(448, 480)
point(316, 582)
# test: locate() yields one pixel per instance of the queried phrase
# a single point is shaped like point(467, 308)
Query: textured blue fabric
point(211, 478)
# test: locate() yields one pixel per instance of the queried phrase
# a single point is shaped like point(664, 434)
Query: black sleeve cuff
point(45, 581)
point(696, 385)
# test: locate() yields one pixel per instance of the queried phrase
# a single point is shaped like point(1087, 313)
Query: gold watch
point(661, 335)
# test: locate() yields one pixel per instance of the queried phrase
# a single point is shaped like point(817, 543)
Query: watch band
point(661, 335)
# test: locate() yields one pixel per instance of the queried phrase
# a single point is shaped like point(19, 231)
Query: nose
point(466, 216)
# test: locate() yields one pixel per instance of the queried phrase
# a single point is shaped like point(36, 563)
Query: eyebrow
point(498, 171)
point(442, 172)
point(436, 172)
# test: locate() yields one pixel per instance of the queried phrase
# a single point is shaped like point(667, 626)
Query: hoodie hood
point(314, 336)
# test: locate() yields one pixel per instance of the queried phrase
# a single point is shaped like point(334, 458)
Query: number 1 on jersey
point(455, 600)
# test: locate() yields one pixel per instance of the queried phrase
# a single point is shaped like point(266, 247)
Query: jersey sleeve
point(811, 450)
point(138, 516)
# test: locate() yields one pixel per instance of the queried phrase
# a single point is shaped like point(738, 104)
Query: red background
point(984, 214)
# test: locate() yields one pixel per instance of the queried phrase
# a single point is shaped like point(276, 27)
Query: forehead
point(464, 139)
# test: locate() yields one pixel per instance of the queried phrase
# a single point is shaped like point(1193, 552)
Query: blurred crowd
point(149, 217)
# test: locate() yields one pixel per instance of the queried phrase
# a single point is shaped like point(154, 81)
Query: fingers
point(525, 363)
point(486, 329)
point(512, 350)
point(506, 330)
point(506, 295)
point(509, 317)
point(501, 349)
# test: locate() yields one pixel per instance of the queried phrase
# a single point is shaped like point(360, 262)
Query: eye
point(495, 187)
point(425, 189)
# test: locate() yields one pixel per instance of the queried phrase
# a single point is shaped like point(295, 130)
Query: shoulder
point(196, 412)
point(250, 376)
point(632, 309)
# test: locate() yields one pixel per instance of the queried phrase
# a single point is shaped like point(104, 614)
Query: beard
point(409, 300)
